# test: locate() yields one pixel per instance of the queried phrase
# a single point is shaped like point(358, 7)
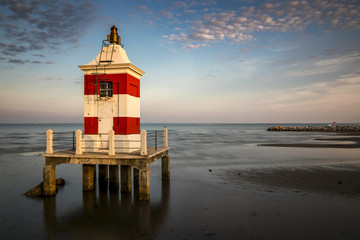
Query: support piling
point(125, 178)
point(165, 168)
point(103, 174)
point(88, 177)
point(49, 180)
point(114, 176)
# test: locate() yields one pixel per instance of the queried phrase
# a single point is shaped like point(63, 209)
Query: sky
point(207, 61)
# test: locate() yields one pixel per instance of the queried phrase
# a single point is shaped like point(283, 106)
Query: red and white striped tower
point(111, 98)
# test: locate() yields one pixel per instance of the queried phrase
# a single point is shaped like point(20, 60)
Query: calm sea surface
point(196, 148)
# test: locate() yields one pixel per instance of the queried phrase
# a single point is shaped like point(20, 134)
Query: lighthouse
point(112, 136)
point(111, 98)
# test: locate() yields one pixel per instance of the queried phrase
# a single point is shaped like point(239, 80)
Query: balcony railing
point(109, 142)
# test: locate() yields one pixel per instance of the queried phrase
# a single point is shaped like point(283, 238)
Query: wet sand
point(342, 181)
point(355, 143)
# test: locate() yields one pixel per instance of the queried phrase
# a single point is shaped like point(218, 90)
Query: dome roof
point(111, 54)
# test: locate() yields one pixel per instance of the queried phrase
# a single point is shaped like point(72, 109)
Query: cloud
point(239, 25)
point(50, 78)
point(17, 61)
point(12, 49)
point(341, 93)
point(38, 24)
point(332, 62)
point(39, 55)
point(166, 14)
point(143, 8)
point(194, 46)
point(312, 66)
point(181, 4)
point(20, 61)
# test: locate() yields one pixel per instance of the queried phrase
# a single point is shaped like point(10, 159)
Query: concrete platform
point(133, 159)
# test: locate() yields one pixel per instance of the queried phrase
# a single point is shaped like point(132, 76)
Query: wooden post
point(125, 178)
point(143, 148)
point(49, 180)
point(142, 183)
point(165, 168)
point(111, 142)
point(49, 141)
point(78, 134)
point(165, 137)
point(114, 176)
point(88, 177)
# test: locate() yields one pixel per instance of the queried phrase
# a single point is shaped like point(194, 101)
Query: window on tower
point(106, 89)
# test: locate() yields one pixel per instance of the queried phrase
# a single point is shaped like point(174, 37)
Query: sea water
point(197, 151)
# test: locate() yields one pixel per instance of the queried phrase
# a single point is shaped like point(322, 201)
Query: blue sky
point(205, 61)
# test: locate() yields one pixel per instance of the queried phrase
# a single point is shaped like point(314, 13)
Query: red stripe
point(126, 125)
point(122, 84)
point(90, 125)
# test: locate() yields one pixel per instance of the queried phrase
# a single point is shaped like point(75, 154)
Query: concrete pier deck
point(133, 159)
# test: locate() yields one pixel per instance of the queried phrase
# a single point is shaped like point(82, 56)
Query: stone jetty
point(316, 128)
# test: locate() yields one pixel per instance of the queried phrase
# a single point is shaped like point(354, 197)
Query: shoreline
point(355, 144)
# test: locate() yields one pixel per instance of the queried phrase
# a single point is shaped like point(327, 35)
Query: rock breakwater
point(316, 128)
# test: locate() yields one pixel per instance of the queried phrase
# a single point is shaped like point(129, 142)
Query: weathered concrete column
point(125, 178)
point(103, 174)
point(143, 147)
point(49, 180)
point(88, 177)
point(165, 137)
point(78, 135)
point(136, 180)
point(49, 141)
point(95, 174)
point(111, 142)
point(114, 176)
point(165, 168)
point(142, 183)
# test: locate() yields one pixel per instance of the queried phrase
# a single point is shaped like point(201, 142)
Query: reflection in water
point(50, 214)
point(108, 214)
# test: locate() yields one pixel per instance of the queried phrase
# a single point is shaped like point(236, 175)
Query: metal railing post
point(73, 140)
point(155, 140)
point(49, 141)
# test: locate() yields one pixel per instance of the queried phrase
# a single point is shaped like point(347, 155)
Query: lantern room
point(111, 98)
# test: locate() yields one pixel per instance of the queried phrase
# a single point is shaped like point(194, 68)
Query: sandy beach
point(342, 142)
point(339, 181)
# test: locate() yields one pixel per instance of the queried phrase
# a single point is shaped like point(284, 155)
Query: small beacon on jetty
point(112, 135)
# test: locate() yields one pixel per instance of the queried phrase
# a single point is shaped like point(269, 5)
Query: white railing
point(111, 143)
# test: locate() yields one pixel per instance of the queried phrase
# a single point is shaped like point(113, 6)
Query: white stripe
point(90, 106)
point(124, 105)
